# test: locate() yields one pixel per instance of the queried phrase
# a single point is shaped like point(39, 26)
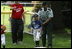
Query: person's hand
point(10, 19)
point(26, 11)
point(44, 23)
point(47, 21)
point(23, 21)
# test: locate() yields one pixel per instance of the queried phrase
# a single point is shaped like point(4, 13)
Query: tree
point(57, 7)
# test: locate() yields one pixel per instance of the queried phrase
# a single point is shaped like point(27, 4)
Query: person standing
point(3, 41)
point(46, 15)
point(17, 22)
point(36, 27)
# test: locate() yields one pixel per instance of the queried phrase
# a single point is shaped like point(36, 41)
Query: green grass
point(27, 42)
point(59, 41)
point(62, 41)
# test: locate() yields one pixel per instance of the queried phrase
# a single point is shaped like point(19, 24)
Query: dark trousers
point(17, 30)
point(47, 29)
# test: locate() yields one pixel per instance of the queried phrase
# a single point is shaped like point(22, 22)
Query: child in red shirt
point(3, 28)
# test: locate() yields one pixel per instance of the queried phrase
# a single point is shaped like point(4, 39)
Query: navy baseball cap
point(44, 3)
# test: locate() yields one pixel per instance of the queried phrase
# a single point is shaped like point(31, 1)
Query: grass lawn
point(62, 41)
point(59, 41)
point(27, 42)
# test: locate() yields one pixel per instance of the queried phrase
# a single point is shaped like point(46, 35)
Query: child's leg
point(36, 37)
point(38, 34)
point(3, 40)
point(37, 43)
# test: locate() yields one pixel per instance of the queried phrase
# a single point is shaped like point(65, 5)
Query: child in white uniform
point(3, 28)
point(36, 27)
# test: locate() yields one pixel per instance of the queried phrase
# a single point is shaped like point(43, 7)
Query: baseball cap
point(44, 3)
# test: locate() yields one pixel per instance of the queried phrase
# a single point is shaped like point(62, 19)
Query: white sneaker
point(19, 42)
point(40, 47)
point(49, 47)
point(14, 43)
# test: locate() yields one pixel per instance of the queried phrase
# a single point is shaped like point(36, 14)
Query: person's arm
point(11, 7)
point(47, 20)
point(23, 13)
point(23, 17)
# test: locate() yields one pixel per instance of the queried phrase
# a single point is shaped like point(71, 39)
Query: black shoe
point(3, 46)
point(49, 45)
point(37, 44)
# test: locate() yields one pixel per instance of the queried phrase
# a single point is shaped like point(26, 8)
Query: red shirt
point(2, 31)
point(17, 11)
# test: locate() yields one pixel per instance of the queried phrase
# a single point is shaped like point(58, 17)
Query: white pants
point(3, 39)
point(37, 34)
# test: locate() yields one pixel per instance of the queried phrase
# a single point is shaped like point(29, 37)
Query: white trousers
point(37, 34)
point(3, 39)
